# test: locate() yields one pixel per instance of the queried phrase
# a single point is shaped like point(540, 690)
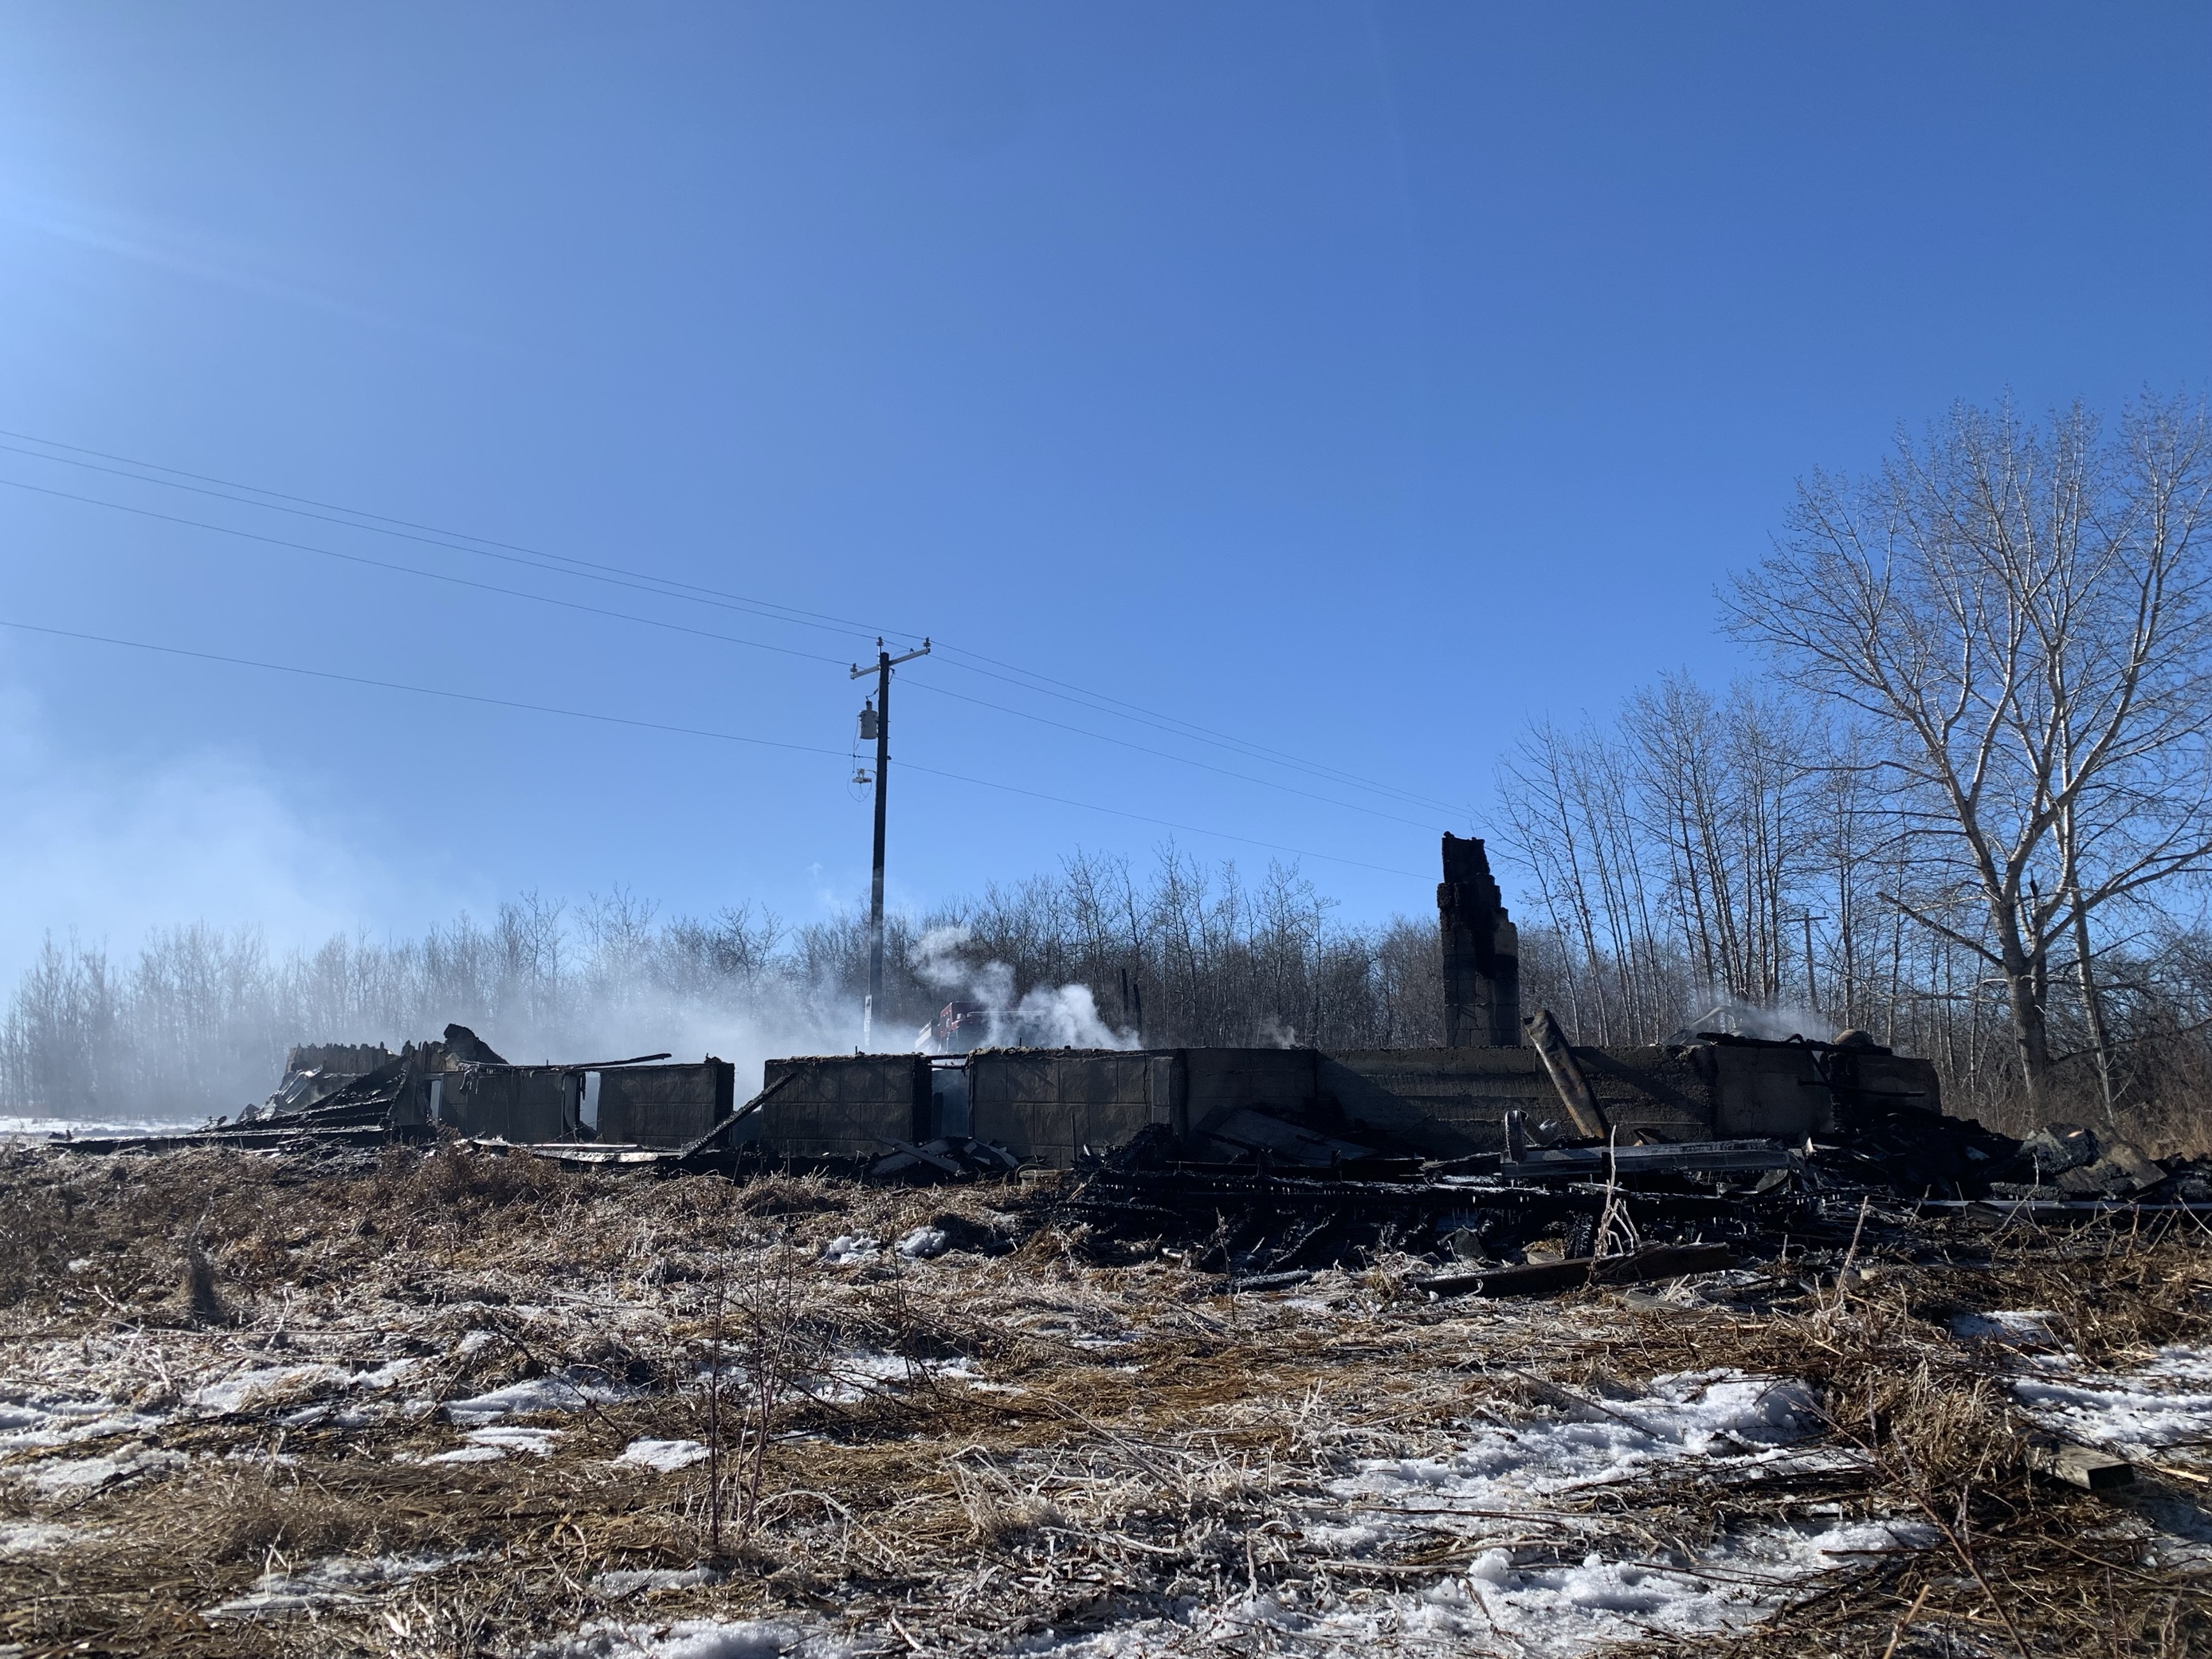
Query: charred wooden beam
point(1575, 1092)
point(1550, 1278)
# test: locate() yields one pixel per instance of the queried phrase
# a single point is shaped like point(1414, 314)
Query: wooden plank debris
point(2078, 1465)
point(1593, 1162)
point(1550, 1278)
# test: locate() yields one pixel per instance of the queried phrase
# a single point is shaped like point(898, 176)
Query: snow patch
point(1569, 1610)
point(2017, 1327)
point(1725, 1418)
point(236, 1391)
point(1547, 1612)
point(852, 1376)
point(338, 1580)
point(634, 1582)
point(538, 1393)
point(385, 1376)
point(694, 1638)
point(665, 1456)
point(33, 1537)
point(263, 1385)
point(1694, 1414)
point(26, 1426)
point(847, 1248)
point(2160, 1404)
point(74, 1477)
point(925, 1244)
point(486, 1446)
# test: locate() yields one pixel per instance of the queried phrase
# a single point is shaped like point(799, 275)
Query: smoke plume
point(1044, 1017)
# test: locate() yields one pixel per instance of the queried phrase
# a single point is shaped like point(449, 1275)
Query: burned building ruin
point(1498, 1081)
point(1311, 1107)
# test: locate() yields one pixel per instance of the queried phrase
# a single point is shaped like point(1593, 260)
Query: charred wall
point(1302, 1105)
point(653, 1106)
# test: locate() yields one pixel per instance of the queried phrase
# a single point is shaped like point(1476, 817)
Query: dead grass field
point(253, 1407)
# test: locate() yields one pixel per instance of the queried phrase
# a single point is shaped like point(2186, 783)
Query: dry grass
point(1136, 1448)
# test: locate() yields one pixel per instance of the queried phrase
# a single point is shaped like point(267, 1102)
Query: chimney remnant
point(1482, 952)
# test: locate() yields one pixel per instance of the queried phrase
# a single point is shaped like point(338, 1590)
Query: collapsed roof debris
point(459, 1084)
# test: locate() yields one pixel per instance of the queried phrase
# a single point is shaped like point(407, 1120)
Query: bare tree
point(1729, 790)
point(2017, 613)
point(1570, 806)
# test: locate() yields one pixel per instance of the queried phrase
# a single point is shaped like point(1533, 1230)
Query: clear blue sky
point(1355, 380)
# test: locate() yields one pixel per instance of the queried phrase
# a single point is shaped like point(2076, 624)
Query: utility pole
point(885, 663)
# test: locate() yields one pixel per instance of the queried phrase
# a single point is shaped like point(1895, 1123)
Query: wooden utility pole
point(885, 663)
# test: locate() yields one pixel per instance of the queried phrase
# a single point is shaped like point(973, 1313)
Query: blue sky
point(1351, 381)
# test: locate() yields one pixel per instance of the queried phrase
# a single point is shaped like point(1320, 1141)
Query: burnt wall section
point(1056, 1106)
point(1789, 1090)
point(1481, 952)
point(514, 1103)
point(664, 1106)
point(661, 1107)
point(843, 1107)
point(1453, 1101)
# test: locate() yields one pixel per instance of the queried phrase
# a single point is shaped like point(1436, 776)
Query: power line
point(674, 627)
point(432, 536)
point(679, 627)
point(682, 731)
point(1250, 751)
point(1166, 824)
point(644, 586)
point(1123, 743)
point(670, 587)
point(412, 570)
point(422, 690)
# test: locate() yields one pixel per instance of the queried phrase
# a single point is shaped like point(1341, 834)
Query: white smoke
point(107, 851)
point(1044, 1017)
point(774, 1022)
point(1749, 1019)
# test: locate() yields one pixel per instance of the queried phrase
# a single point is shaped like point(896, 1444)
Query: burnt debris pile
point(1542, 1216)
point(337, 1094)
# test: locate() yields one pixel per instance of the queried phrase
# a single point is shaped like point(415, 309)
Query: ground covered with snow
point(454, 1404)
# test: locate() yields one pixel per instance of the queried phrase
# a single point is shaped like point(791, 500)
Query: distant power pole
point(880, 716)
point(1812, 990)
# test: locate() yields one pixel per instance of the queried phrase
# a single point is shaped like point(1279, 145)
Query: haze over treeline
point(1968, 808)
point(199, 1020)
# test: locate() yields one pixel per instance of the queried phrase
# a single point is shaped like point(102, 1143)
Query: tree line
point(1181, 953)
point(1968, 807)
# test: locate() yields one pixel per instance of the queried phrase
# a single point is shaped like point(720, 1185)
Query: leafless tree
point(2015, 614)
point(1727, 790)
point(1571, 814)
